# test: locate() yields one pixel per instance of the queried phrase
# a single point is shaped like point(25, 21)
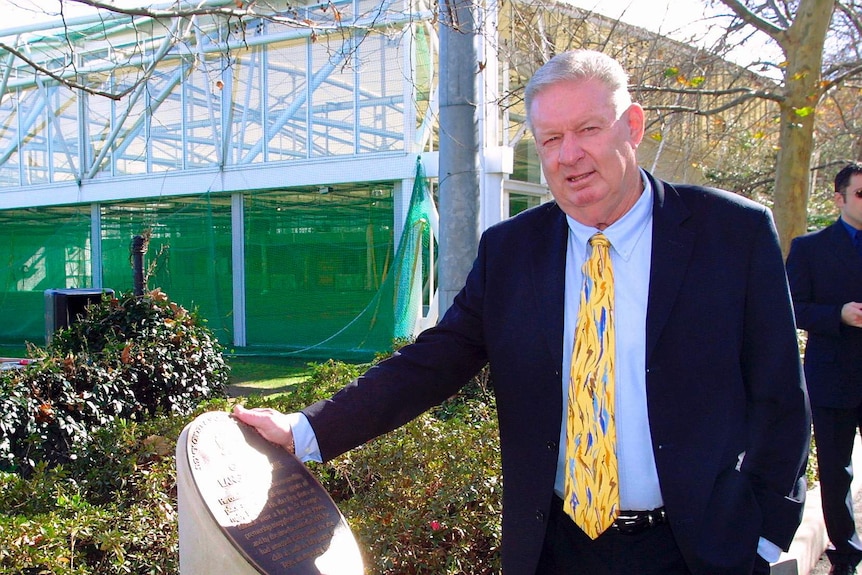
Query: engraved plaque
point(266, 502)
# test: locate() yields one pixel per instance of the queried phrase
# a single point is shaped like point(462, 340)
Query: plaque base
point(203, 548)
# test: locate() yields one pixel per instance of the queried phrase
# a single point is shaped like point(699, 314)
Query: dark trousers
point(568, 551)
point(834, 432)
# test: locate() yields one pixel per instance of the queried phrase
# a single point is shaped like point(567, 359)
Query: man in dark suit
point(825, 273)
point(711, 415)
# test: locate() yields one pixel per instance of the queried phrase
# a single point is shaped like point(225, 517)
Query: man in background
point(825, 273)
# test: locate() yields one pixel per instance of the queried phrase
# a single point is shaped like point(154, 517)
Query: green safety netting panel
point(46, 248)
point(188, 253)
point(315, 263)
point(415, 259)
point(322, 276)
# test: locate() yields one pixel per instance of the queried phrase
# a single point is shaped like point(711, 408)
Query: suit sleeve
point(779, 417)
point(821, 318)
point(417, 377)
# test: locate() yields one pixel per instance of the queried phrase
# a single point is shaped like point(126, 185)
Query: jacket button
point(540, 515)
point(552, 446)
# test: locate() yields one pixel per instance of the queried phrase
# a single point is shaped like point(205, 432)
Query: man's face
point(850, 203)
point(587, 152)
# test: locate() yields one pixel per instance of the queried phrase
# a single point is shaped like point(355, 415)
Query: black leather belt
point(634, 522)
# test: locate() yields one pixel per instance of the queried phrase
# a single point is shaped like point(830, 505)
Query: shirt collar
point(850, 229)
point(625, 232)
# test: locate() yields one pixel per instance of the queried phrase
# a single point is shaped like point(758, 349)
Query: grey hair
point(580, 65)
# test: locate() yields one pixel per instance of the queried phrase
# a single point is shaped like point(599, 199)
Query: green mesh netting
point(321, 275)
point(321, 272)
point(315, 265)
point(414, 259)
point(39, 249)
point(188, 255)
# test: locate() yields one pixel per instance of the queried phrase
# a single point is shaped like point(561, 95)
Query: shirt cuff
point(768, 550)
point(304, 439)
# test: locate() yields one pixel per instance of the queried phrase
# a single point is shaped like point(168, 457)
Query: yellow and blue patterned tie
point(592, 480)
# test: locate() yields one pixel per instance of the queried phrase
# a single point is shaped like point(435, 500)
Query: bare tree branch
point(745, 93)
point(699, 111)
point(852, 14)
point(782, 13)
point(71, 83)
point(849, 71)
point(751, 18)
point(232, 11)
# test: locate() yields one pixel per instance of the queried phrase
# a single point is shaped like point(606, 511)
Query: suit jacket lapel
point(672, 247)
point(671, 250)
point(548, 275)
point(844, 250)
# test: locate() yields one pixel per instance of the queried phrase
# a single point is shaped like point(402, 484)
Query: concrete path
point(805, 556)
point(822, 566)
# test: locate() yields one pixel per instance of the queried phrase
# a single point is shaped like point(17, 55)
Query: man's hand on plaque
point(270, 423)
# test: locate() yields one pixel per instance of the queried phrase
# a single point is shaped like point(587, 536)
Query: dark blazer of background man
point(825, 273)
point(727, 411)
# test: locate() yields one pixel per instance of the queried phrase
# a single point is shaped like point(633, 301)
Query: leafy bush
point(426, 498)
point(423, 499)
point(325, 379)
point(127, 358)
point(112, 512)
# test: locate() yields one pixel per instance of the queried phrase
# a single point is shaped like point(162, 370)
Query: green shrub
point(166, 356)
point(426, 498)
point(128, 358)
point(325, 379)
point(111, 512)
point(422, 499)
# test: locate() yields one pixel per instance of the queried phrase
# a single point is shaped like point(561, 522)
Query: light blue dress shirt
point(631, 247)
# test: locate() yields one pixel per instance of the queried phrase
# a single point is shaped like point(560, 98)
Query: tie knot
point(600, 239)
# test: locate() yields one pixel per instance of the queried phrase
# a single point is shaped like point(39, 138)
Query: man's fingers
point(250, 416)
point(270, 423)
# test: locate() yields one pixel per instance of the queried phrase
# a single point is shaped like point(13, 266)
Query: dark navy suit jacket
point(723, 375)
point(825, 272)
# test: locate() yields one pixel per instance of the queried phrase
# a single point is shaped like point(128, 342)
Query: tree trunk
point(802, 92)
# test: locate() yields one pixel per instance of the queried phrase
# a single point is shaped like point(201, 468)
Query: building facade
point(272, 161)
